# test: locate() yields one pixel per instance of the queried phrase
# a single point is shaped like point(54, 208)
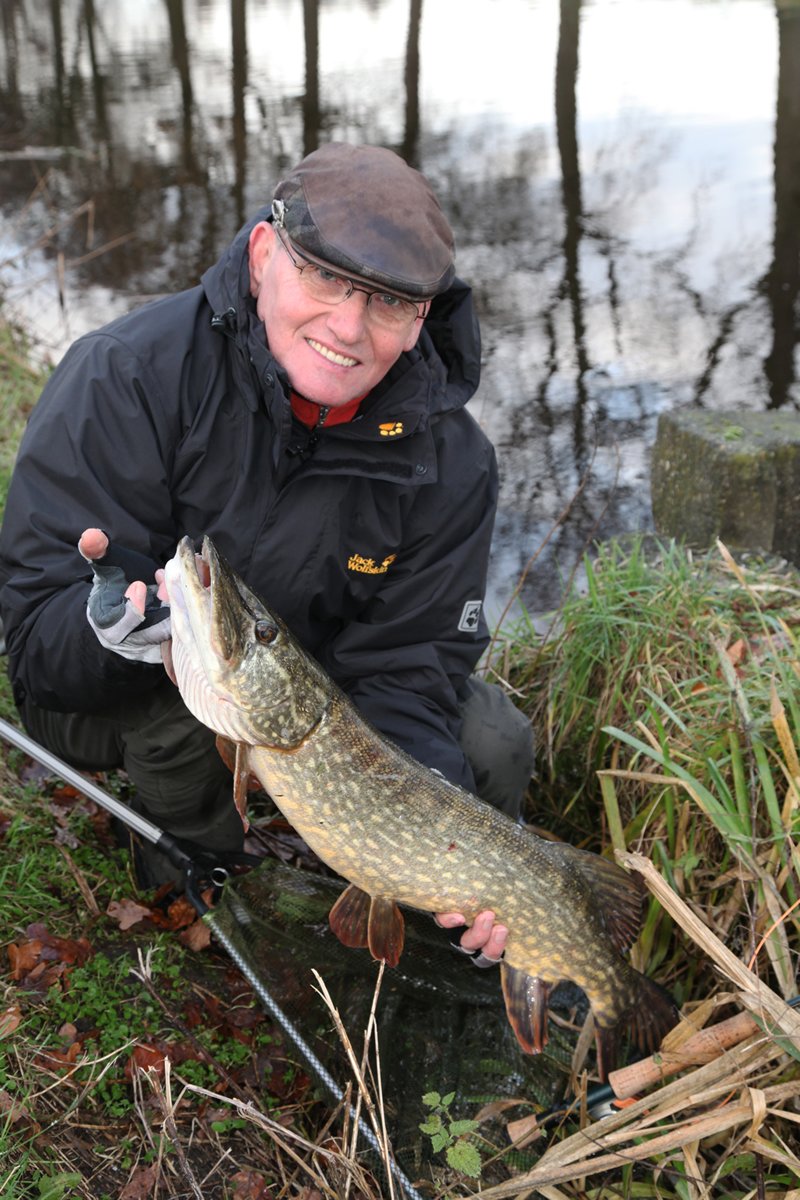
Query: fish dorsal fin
point(620, 894)
point(359, 919)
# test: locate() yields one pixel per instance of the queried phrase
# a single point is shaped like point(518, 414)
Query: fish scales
point(398, 832)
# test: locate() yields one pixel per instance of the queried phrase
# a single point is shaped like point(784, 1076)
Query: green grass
point(666, 711)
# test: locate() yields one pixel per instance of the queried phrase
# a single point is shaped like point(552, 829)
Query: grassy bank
point(135, 1061)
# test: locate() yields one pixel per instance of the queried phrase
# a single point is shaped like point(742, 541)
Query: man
point(304, 406)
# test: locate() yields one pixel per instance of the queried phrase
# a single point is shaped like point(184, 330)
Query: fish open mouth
point(200, 660)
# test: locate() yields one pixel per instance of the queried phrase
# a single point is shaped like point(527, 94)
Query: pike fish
point(398, 832)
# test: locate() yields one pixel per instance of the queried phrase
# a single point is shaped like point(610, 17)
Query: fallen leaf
point(24, 958)
point(145, 1058)
point(127, 913)
point(196, 937)
point(10, 1020)
point(141, 1183)
point(181, 913)
point(11, 1109)
point(251, 1185)
point(736, 652)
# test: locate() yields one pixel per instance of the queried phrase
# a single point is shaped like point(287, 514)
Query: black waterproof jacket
point(371, 538)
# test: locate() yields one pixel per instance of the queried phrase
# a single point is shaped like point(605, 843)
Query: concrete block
point(728, 475)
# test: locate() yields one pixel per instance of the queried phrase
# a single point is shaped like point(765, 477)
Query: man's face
point(332, 353)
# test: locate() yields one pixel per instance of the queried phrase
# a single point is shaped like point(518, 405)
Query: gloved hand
point(129, 617)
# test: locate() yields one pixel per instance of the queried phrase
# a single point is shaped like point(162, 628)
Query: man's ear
point(260, 246)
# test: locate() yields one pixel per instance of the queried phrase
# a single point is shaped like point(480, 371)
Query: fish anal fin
point(386, 931)
point(349, 917)
point(619, 894)
point(526, 998)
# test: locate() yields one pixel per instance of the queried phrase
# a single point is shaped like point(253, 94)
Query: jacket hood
point(447, 355)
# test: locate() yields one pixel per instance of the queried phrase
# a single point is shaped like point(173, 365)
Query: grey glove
point(118, 623)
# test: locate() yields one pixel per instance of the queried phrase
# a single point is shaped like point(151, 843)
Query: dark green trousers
point(181, 784)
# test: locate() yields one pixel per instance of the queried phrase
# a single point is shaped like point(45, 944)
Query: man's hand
point(484, 940)
point(129, 617)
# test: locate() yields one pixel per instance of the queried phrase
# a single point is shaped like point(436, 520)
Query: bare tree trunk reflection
point(239, 77)
point(12, 111)
point(783, 280)
point(98, 79)
point(311, 114)
point(61, 107)
point(410, 147)
point(567, 139)
point(180, 58)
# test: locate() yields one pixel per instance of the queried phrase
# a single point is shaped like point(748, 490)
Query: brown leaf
point(252, 1185)
point(141, 1183)
point(11, 1109)
point(10, 1020)
point(196, 937)
point(23, 958)
point(145, 1058)
point(127, 913)
point(736, 652)
point(181, 913)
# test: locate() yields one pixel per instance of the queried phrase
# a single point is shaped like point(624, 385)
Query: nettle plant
point(451, 1135)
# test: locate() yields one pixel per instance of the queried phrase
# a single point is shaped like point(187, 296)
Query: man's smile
point(340, 360)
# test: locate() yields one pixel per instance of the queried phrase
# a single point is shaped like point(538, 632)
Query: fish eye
point(265, 632)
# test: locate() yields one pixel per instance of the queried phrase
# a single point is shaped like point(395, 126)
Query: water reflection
point(626, 207)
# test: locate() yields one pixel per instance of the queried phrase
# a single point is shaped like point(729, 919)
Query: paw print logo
point(390, 428)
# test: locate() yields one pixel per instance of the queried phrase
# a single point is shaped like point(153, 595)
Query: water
point(621, 175)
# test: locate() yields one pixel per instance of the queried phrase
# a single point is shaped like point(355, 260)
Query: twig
point(165, 1102)
point(377, 1125)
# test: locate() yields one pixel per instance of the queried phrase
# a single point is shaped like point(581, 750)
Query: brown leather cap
point(363, 211)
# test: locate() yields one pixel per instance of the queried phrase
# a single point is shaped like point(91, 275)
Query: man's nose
point(349, 319)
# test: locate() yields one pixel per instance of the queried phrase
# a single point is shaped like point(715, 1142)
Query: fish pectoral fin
point(349, 917)
point(526, 998)
point(235, 755)
point(386, 930)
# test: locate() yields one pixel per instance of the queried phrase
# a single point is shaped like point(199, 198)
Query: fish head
point(239, 669)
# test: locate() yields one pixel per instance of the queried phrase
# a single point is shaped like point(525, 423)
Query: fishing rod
point(196, 866)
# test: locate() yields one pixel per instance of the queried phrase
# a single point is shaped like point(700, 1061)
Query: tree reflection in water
point(627, 256)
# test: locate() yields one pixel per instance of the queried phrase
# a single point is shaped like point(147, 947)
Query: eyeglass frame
point(284, 240)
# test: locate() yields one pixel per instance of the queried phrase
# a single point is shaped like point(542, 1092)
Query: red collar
point(310, 413)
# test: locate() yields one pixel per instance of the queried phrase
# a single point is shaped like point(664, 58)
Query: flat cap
point(362, 210)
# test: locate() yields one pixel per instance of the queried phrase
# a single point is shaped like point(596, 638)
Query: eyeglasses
point(388, 311)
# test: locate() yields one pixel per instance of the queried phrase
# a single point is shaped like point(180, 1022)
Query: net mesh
point(441, 1022)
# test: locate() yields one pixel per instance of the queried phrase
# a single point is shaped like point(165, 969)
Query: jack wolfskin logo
point(391, 428)
point(470, 616)
point(368, 566)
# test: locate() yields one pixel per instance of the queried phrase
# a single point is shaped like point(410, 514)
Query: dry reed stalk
point(766, 1005)
point(376, 1115)
point(719, 1098)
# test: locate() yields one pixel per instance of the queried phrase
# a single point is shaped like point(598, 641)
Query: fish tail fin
point(654, 1015)
point(649, 1018)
